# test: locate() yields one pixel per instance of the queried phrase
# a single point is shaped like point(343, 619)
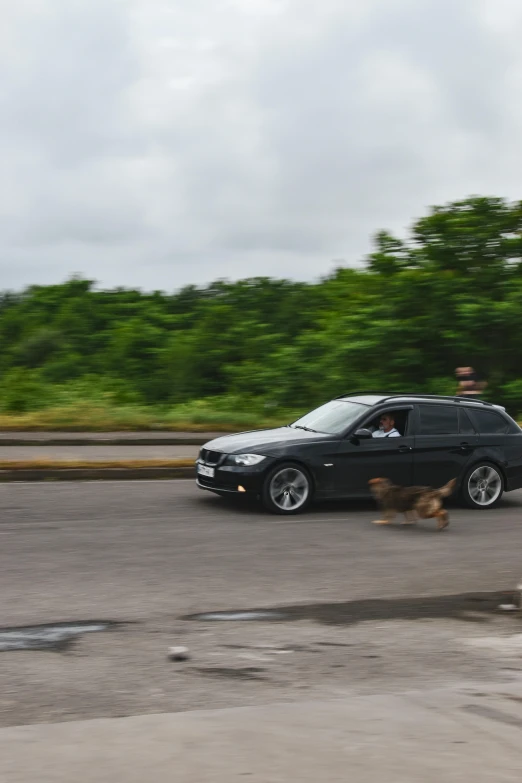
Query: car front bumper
point(233, 479)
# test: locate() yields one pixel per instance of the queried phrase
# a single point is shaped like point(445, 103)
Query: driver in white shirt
point(387, 427)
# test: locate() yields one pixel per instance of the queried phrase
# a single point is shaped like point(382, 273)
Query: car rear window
point(489, 422)
point(438, 420)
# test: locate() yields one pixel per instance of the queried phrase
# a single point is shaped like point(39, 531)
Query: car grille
point(210, 457)
point(206, 481)
point(224, 482)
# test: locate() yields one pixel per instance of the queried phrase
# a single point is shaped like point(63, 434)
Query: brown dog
point(414, 502)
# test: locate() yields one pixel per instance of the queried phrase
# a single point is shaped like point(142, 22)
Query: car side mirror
point(363, 434)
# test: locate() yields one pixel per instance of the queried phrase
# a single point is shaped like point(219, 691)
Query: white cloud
point(155, 143)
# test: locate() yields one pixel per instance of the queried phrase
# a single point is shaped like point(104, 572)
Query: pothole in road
point(264, 614)
point(466, 607)
point(52, 636)
point(245, 673)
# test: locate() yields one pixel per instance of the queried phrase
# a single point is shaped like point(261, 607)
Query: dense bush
point(451, 294)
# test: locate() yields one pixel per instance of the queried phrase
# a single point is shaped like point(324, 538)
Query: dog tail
point(447, 489)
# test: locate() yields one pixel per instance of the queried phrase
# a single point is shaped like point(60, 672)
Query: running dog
point(414, 502)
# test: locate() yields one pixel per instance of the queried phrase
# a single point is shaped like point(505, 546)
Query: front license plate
point(203, 470)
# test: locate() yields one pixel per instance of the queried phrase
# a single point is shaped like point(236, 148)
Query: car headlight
point(245, 459)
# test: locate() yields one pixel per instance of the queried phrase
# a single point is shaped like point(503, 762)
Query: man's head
point(465, 373)
point(387, 422)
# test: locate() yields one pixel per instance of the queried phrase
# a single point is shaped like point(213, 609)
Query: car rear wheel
point(287, 489)
point(483, 486)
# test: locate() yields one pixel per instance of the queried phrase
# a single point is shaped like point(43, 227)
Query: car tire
point(287, 489)
point(483, 486)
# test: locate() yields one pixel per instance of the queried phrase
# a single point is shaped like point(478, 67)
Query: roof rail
point(453, 398)
point(392, 395)
point(378, 392)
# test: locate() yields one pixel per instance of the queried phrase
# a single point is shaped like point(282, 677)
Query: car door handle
point(404, 449)
point(465, 446)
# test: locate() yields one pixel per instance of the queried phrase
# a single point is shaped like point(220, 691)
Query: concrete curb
point(95, 474)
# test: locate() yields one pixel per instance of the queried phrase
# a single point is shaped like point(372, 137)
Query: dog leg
point(386, 519)
point(410, 518)
point(443, 519)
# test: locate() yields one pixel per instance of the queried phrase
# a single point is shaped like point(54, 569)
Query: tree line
point(448, 294)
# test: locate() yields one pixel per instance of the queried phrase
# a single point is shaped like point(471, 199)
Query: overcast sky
point(156, 143)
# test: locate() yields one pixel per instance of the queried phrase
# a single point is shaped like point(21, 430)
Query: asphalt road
point(347, 608)
point(97, 452)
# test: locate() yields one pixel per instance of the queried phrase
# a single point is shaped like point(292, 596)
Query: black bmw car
point(333, 451)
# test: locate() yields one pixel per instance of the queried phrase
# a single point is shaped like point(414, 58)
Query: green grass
point(217, 414)
point(201, 415)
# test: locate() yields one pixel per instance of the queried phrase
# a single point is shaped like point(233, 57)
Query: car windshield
point(332, 418)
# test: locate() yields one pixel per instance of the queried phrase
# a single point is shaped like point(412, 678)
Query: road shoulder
point(429, 736)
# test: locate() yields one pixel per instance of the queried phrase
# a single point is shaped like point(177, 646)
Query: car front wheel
point(483, 486)
point(287, 489)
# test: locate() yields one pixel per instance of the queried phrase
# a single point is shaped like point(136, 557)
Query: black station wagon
point(332, 452)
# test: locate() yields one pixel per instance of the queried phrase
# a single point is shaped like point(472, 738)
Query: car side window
point(438, 420)
point(488, 422)
point(465, 424)
point(401, 418)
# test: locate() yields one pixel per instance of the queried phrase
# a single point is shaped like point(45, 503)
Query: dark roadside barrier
point(106, 472)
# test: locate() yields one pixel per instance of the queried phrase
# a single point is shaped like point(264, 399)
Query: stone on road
point(178, 653)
